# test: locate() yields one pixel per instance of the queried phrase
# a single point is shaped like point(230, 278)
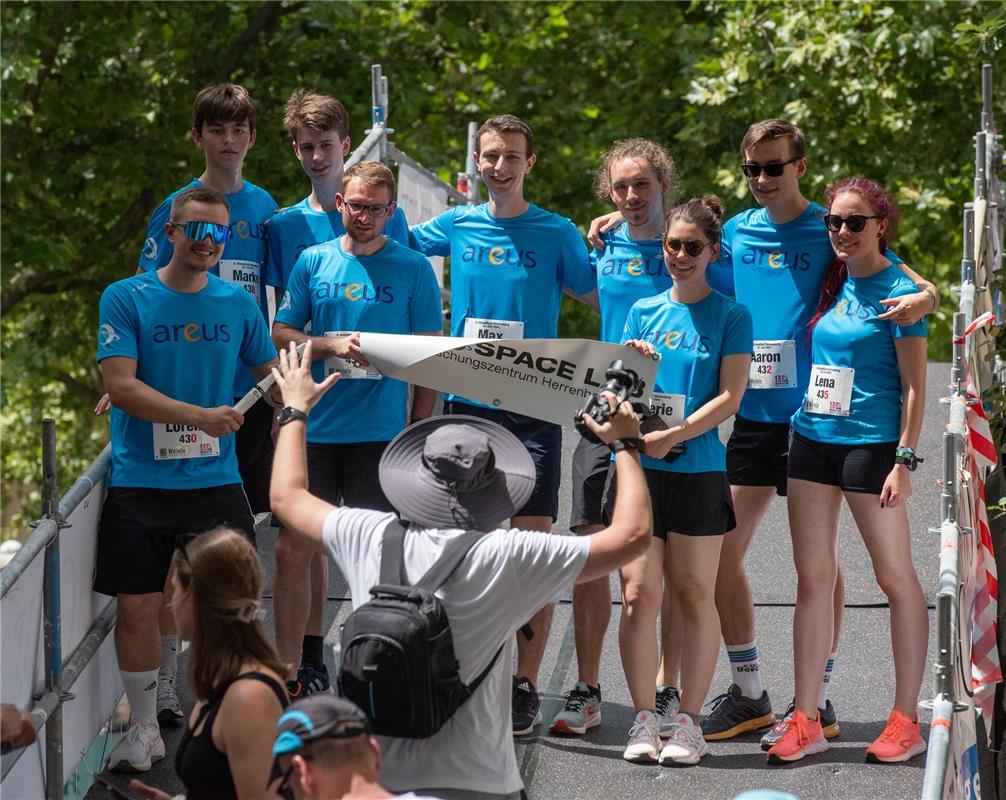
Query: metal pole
point(968, 259)
point(987, 97)
point(470, 167)
point(981, 182)
point(948, 497)
point(377, 115)
point(51, 615)
point(957, 368)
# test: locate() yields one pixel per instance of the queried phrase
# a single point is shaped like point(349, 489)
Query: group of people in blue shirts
point(794, 318)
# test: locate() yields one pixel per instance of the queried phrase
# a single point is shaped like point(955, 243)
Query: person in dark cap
point(323, 744)
point(446, 476)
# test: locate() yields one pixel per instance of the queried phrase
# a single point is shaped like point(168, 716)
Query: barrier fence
point(967, 666)
point(48, 607)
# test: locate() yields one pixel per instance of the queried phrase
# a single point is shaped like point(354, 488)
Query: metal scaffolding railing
point(950, 771)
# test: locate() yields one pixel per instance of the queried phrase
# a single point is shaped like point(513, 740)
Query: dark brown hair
point(706, 212)
point(774, 129)
point(506, 123)
point(197, 194)
point(220, 572)
point(223, 102)
point(319, 112)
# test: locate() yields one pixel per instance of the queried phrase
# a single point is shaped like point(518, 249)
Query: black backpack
point(398, 661)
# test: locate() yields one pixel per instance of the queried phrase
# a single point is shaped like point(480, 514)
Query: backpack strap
point(484, 674)
point(393, 555)
point(452, 555)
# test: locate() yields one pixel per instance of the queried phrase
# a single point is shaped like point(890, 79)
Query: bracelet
point(932, 297)
point(619, 445)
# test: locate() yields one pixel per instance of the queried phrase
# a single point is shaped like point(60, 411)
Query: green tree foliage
point(96, 112)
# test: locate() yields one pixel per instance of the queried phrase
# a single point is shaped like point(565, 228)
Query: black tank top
point(204, 769)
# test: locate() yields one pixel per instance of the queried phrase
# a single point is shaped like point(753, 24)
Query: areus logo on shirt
point(634, 266)
point(776, 258)
point(244, 229)
point(851, 308)
point(150, 249)
point(679, 340)
point(326, 290)
point(499, 256)
point(191, 332)
point(107, 335)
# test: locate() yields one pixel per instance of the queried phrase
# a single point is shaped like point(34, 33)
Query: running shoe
point(802, 737)
point(734, 714)
point(644, 738)
point(526, 707)
point(668, 702)
point(582, 710)
point(686, 745)
point(900, 741)
point(310, 680)
point(168, 707)
point(138, 748)
point(829, 724)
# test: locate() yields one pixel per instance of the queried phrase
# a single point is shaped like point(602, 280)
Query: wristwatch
point(619, 445)
point(288, 413)
point(906, 456)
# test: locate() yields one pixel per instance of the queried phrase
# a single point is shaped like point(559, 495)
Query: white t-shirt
point(505, 578)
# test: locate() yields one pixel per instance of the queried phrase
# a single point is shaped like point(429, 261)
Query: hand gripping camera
point(621, 382)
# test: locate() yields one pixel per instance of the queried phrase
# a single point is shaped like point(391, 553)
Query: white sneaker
point(686, 744)
point(668, 702)
point(138, 748)
point(168, 707)
point(644, 738)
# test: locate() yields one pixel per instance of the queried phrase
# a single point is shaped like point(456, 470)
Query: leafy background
point(96, 111)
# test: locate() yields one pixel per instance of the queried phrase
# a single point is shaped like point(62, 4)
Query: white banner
point(543, 378)
point(98, 688)
point(421, 199)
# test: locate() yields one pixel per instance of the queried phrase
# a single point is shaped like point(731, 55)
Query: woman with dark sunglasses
point(704, 341)
point(233, 671)
point(854, 437)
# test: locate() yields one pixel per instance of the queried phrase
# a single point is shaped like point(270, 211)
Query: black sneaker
point(829, 724)
point(526, 706)
point(734, 714)
point(310, 680)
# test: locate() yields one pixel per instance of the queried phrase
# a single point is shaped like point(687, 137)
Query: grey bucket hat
point(457, 471)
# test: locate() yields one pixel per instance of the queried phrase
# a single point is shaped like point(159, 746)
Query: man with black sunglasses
point(773, 259)
point(169, 342)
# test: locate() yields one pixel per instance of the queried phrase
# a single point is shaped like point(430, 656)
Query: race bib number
point(183, 441)
point(243, 273)
point(830, 390)
point(773, 365)
point(350, 369)
point(493, 329)
point(669, 407)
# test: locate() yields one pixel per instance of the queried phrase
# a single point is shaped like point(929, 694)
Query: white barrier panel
point(542, 378)
point(421, 199)
point(98, 688)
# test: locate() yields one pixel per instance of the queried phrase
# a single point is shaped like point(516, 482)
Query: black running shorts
point(140, 527)
point(756, 454)
point(254, 447)
point(859, 468)
point(590, 473)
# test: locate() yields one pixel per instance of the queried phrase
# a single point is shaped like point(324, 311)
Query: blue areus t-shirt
point(244, 257)
point(393, 291)
point(292, 230)
point(507, 274)
point(776, 270)
point(850, 337)
point(185, 344)
point(627, 270)
point(692, 339)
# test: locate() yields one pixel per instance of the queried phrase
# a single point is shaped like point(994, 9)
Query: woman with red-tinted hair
point(854, 437)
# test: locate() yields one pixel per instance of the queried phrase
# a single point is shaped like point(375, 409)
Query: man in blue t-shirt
point(510, 262)
point(223, 127)
point(319, 132)
point(168, 343)
point(361, 281)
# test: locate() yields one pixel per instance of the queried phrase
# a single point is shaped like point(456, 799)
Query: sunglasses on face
point(374, 211)
point(194, 229)
point(854, 222)
point(691, 246)
point(773, 170)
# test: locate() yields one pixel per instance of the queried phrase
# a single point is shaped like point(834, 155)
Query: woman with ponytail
point(854, 437)
point(233, 671)
point(704, 343)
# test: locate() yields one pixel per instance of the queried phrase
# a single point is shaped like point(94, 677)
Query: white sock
point(169, 657)
point(141, 689)
point(822, 692)
point(745, 670)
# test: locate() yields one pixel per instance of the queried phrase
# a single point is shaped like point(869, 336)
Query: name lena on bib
point(830, 390)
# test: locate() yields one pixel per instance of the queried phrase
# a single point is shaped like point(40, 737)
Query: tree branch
point(33, 91)
point(269, 13)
